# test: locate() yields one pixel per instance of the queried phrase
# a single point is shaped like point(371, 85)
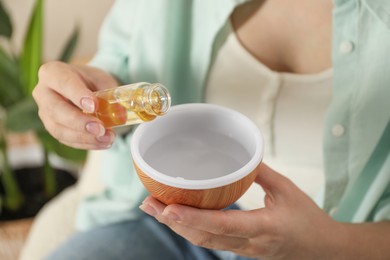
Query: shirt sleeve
point(123, 191)
point(382, 211)
point(114, 38)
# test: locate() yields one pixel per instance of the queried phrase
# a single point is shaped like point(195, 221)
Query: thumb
point(273, 183)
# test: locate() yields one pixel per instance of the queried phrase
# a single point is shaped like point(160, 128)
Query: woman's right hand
point(62, 93)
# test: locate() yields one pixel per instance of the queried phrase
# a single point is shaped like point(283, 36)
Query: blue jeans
point(142, 239)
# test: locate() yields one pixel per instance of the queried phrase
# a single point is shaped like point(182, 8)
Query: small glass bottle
point(131, 104)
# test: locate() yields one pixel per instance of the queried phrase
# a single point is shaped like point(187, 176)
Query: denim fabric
point(140, 239)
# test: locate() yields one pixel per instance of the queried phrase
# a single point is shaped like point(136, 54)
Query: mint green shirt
point(175, 41)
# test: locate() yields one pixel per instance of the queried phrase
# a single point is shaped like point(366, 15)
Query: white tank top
point(289, 109)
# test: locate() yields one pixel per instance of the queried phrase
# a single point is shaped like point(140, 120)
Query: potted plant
point(24, 191)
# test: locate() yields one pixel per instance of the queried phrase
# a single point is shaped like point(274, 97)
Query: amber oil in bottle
point(131, 104)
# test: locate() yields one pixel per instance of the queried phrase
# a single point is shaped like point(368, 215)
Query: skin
point(290, 227)
point(287, 36)
point(62, 93)
point(290, 36)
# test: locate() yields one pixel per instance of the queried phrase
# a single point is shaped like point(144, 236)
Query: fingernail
point(148, 210)
point(95, 129)
point(87, 104)
point(106, 138)
point(172, 216)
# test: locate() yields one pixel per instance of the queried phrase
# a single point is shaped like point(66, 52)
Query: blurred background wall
point(60, 20)
point(61, 17)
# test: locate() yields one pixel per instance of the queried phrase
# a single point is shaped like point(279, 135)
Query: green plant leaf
point(13, 198)
point(70, 46)
point(8, 64)
point(11, 89)
point(9, 93)
point(66, 152)
point(5, 23)
point(23, 117)
point(31, 57)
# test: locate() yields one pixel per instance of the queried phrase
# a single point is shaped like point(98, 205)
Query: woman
point(183, 44)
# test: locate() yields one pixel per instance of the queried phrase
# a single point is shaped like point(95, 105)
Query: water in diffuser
point(197, 155)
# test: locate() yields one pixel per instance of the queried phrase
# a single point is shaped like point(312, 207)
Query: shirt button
point(346, 47)
point(338, 130)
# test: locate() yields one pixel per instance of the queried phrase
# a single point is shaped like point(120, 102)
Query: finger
point(59, 110)
point(65, 80)
point(155, 206)
point(233, 223)
point(276, 186)
point(53, 108)
point(204, 238)
point(198, 237)
point(68, 135)
point(84, 146)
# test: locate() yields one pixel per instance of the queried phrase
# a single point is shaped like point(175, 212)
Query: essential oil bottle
point(131, 104)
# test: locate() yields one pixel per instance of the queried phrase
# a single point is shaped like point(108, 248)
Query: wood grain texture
point(215, 198)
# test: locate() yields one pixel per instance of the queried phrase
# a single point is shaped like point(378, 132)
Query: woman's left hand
point(290, 226)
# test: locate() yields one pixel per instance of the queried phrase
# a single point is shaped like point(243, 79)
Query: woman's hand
point(290, 226)
point(62, 93)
